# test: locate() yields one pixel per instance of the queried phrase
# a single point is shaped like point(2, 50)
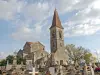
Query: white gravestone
point(61, 69)
point(52, 71)
point(92, 70)
point(15, 59)
point(8, 67)
point(33, 71)
point(29, 64)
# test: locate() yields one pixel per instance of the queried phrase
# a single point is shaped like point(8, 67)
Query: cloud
point(30, 16)
point(96, 54)
point(81, 30)
point(27, 33)
point(36, 11)
point(2, 55)
point(9, 8)
point(84, 22)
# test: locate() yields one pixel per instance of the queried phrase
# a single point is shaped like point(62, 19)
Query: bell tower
point(56, 34)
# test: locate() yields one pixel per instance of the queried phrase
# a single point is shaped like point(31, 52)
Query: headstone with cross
point(33, 71)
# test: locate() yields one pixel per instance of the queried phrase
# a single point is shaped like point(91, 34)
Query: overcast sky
point(30, 20)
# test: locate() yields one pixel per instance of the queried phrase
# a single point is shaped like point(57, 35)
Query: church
point(35, 53)
point(57, 41)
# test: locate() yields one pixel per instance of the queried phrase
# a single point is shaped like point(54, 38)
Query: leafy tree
point(24, 61)
point(3, 62)
point(87, 57)
point(19, 60)
point(10, 58)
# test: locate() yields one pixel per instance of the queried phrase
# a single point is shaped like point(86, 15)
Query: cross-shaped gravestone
point(33, 71)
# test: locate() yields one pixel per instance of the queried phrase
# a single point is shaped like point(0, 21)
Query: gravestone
point(61, 69)
point(52, 70)
point(85, 70)
point(0, 72)
point(14, 61)
point(8, 66)
point(94, 66)
point(91, 69)
point(29, 65)
point(33, 71)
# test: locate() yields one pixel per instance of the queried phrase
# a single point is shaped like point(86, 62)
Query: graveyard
point(73, 61)
point(49, 37)
point(71, 69)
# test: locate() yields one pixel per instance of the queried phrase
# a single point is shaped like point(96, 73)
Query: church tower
point(58, 53)
point(56, 34)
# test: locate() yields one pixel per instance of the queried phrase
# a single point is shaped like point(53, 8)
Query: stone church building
point(35, 53)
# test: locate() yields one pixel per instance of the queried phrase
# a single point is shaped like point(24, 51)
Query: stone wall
point(37, 46)
point(27, 49)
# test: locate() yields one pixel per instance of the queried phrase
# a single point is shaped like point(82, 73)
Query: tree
point(77, 53)
point(3, 62)
point(88, 57)
point(10, 58)
point(24, 61)
point(19, 60)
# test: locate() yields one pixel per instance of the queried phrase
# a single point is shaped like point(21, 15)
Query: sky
point(30, 20)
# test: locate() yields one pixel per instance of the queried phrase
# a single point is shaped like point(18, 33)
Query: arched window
point(53, 34)
point(60, 34)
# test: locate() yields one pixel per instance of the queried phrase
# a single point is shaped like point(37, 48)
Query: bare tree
point(76, 53)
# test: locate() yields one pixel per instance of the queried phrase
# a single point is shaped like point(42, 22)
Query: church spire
point(56, 21)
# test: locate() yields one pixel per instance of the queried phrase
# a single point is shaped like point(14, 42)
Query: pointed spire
point(56, 21)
